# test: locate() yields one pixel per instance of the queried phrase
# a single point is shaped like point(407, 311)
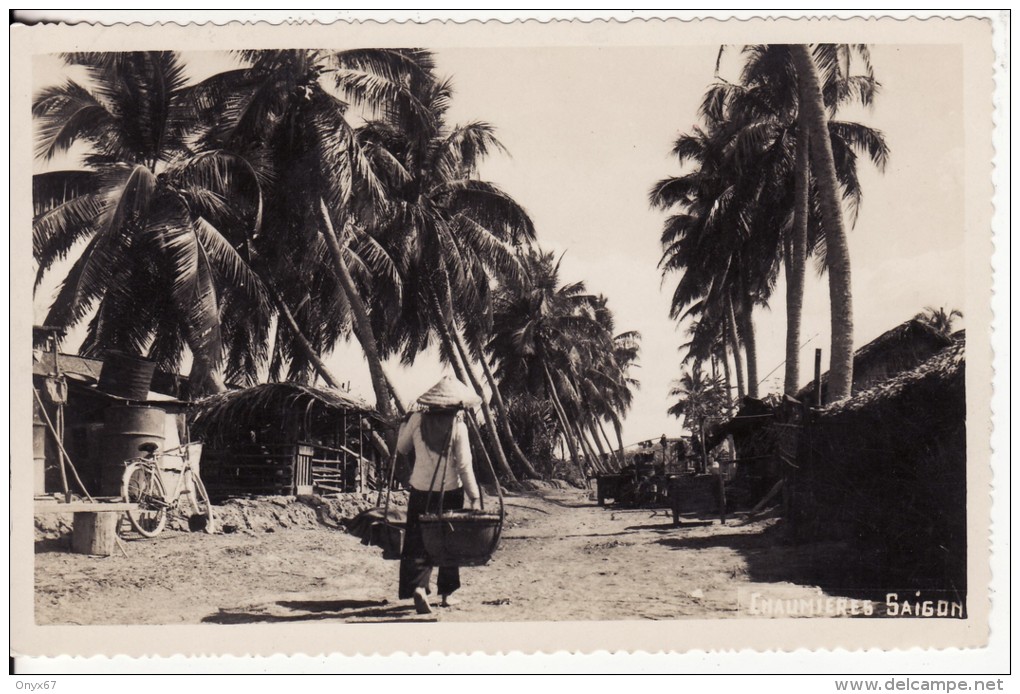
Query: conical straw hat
point(449, 392)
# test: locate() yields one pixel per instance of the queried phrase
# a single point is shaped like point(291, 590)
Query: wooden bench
point(95, 523)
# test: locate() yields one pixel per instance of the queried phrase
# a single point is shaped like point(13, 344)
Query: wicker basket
point(389, 537)
point(461, 538)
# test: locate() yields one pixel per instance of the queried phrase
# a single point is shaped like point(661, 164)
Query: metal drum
point(125, 430)
point(126, 376)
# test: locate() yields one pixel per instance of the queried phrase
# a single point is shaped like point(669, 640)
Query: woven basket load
point(461, 538)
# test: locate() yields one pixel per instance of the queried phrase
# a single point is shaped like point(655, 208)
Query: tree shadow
point(772, 557)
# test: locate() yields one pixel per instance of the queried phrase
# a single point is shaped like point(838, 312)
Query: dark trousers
point(415, 563)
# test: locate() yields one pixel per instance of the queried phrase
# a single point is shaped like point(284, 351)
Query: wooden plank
point(85, 507)
point(339, 490)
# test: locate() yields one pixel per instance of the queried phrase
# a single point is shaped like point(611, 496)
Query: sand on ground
point(562, 557)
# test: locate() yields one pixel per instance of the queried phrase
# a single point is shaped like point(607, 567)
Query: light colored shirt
point(458, 467)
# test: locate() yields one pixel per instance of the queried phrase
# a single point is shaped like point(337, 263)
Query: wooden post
point(818, 378)
point(704, 446)
point(361, 458)
point(94, 532)
point(60, 422)
point(722, 495)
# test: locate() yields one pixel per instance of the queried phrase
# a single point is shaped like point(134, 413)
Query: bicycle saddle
point(149, 447)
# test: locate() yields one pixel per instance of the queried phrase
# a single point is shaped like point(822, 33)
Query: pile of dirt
point(267, 514)
point(254, 515)
point(51, 526)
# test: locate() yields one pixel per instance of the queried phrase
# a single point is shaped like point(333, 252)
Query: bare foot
point(421, 601)
point(448, 601)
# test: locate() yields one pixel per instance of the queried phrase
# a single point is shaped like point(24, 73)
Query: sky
point(589, 131)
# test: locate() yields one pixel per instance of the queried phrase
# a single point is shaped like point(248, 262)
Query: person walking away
point(438, 436)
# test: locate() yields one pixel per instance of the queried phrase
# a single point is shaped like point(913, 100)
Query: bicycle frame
point(153, 461)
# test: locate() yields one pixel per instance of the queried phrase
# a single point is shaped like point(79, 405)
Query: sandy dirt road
point(562, 558)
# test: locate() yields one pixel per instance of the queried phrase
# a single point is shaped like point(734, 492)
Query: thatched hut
point(287, 438)
point(894, 351)
point(885, 471)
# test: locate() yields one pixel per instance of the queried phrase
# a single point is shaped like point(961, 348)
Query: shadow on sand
point(317, 610)
point(772, 558)
point(53, 544)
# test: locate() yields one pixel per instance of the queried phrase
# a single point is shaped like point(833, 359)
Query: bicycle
point(144, 484)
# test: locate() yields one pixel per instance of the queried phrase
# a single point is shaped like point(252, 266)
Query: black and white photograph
point(371, 328)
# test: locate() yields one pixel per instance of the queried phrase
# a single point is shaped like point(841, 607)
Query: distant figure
point(662, 445)
point(681, 454)
point(442, 461)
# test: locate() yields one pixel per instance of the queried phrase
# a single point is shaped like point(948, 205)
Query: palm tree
point(747, 166)
point(555, 341)
point(455, 235)
point(286, 112)
point(837, 251)
point(939, 319)
point(155, 266)
point(699, 397)
point(705, 240)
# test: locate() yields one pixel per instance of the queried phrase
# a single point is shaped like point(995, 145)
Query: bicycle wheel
point(142, 486)
point(203, 518)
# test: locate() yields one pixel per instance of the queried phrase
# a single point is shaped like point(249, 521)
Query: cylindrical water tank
point(126, 429)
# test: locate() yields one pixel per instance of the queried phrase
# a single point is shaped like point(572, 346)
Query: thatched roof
point(275, 400)
point(902, 348)
point(939, 370)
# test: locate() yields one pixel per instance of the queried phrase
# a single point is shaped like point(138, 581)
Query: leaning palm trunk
point(603, 456)
point(359, 313)
point(796, 260)
point(504, 422)
point(837, 251)
point(751, 347)
point(617, 457)
point(589, 452)
point(564, 422)
point(618, 429)
point(306, 346)
point(320, 367)
point(459, 370)
point(734, 339)
point(490, 421)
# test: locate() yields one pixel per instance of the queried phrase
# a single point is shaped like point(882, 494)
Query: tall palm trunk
point(504, 421)
point(359, 313)
point(726, 373)
point(734, 339)
point(797, 258)
point(564, 422)
point(837, 251)
point(750, 346)
point(490, 421)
